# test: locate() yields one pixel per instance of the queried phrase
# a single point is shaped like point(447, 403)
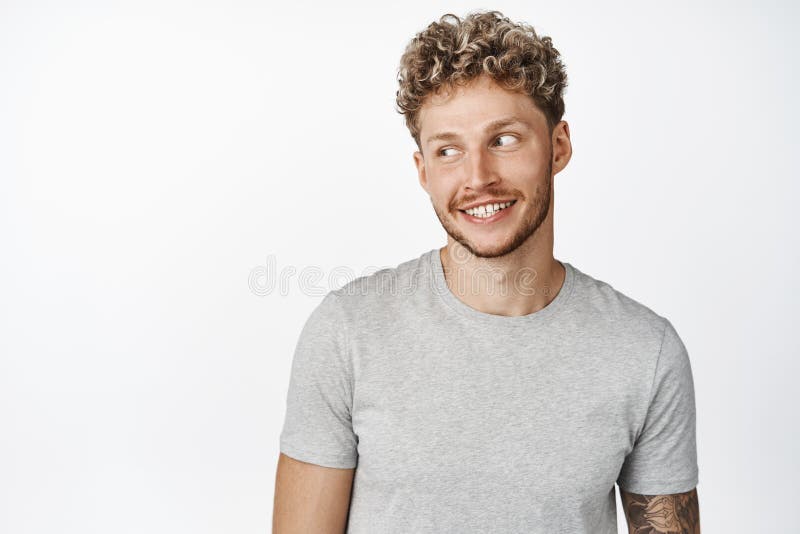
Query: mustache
point(487, 193)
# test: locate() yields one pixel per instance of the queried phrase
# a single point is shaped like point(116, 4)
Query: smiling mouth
point(487, 210)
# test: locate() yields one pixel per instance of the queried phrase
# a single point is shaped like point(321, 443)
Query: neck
point(519, 283)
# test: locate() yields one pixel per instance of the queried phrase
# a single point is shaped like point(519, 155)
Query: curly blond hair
point(453, 51)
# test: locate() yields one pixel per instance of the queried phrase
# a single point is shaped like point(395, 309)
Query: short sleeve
point(318, 427)
point(664, 457)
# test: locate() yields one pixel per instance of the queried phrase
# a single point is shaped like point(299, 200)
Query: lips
point(485, 202)
point(483, 217)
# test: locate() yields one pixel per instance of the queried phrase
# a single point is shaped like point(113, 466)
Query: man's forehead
point(445, 125)
point(478, 106)
point(455, 129)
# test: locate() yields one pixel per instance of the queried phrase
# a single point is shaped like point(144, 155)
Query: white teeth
point(487, 210)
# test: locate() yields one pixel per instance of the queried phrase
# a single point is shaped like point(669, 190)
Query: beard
point(539, 209)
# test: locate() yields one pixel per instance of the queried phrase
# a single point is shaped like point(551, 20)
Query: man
point(486, 386)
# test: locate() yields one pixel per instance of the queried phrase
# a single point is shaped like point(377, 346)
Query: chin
point(490, 251)
point(484, 248)
point(492, 244)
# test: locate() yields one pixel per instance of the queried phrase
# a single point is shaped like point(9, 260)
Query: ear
point(562, 146)
point(419, 161)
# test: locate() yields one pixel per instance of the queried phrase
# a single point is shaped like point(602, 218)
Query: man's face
point(482, 143)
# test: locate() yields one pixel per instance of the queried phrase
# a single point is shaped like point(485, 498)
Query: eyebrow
point(494, 125)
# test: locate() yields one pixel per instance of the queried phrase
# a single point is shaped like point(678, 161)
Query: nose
point(480, 171)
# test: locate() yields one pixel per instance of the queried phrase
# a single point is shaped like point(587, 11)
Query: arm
point(661, 466)
point(678, 513)
point(310, 498)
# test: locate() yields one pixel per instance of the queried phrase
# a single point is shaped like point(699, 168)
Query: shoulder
point(382, 290)
point(602, 306)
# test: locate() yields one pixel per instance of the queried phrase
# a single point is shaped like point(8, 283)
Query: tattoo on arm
point(678, 513)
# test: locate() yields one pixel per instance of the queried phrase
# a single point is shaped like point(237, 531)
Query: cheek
point(443, 197)
point(528, 170)
point(442, 187)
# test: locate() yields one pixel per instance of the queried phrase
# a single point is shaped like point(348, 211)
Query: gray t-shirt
point(462, 421)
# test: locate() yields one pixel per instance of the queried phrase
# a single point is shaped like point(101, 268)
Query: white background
point(153, 155)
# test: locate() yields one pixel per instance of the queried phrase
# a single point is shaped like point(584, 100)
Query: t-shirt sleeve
point(664, 456)
point(318, 427)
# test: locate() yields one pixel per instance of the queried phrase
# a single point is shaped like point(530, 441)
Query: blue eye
point(442, 151)
point(513, 139)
